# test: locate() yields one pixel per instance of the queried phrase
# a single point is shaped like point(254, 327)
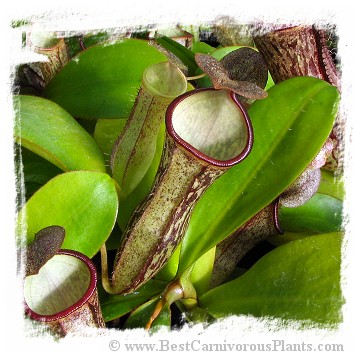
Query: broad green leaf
point(88, 125)
point(103, 81)
point(321, 214)
point(36, 171)
point(177, 34)
point(287, 237)
point(202, 47)
point(140, 317)
point(84, 203)
point(49, 131)
point(114, 306)
point(202, 271)
point(299, 280)
point(285, 141)
point(331, 185)
point(106, 133)
point(180, 51)
point(87, 40)
point(270, 82)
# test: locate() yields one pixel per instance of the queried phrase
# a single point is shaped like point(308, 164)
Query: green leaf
point(88, 125)
point(331, 185)
point(285, 141)
point(49, 131)
point(321, 214)
point(180, 51)
point(36, 171)
point(220, 52)
point(287, 237)
point(103, 81)
point(106, 133)
point(89, 39)
point(299, 280)
point(84, 203)
point(202, 271)
point(114, 306)
point(202, 47)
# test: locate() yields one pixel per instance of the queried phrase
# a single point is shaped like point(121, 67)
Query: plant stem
point(181, 289)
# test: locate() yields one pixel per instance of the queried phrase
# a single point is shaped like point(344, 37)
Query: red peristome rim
point(194, 151)
point(89, 292)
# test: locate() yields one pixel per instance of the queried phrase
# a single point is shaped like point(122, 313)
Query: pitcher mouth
point(206, 157)
point(80, 302)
